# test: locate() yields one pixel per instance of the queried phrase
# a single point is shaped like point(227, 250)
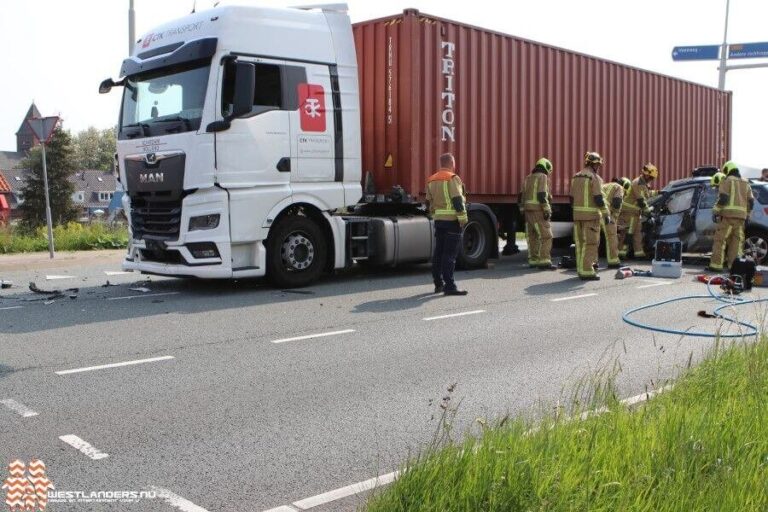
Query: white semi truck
point(239, 149)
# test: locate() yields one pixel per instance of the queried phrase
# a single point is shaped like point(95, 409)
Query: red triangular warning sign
point(43, 127)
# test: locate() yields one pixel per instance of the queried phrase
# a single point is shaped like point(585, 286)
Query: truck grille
point(155, 220)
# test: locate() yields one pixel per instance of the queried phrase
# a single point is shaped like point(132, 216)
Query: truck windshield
point(163, 101)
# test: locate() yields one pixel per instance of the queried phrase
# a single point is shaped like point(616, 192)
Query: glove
point(547, 215)
point(715, 218)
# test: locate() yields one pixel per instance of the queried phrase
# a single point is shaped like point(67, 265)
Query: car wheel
point(756, 245)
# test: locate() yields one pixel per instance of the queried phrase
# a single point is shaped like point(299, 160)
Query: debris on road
point(51, 295)
point(5, 284)
point(108, 284)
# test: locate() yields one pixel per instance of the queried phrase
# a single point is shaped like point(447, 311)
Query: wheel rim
point(298, 252)
point(757, 247)
point(474, 241)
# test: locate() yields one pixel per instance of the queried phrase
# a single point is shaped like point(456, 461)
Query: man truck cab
point(239, 149)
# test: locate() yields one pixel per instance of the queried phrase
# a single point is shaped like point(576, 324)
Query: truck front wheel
point(296, 252)
point(476, 244)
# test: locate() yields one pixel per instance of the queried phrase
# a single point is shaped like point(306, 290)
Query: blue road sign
point(748, 51)
point(707, 52)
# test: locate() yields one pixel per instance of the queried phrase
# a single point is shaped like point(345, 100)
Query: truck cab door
point(675, 218)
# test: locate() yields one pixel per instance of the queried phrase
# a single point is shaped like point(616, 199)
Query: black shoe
point(589, 278)
point(509, 251)
point(439, 288)
point(547, 266)
point(455, 292)
point(615, 265)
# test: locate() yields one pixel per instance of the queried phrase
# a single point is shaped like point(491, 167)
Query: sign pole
point(47, 202)
point(131, 27)
point(724, 50)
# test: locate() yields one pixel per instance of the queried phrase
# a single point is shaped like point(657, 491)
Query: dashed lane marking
point(312, 336)
point(145, 296)
point(19, 408)
point(114, 365)
point(284, 508)
point(574, 297)
point(654, 285)
point(54, 278)
point(117, 272)
point(454, 315)
point(11, 307)
point(177, 501)
point(84, 447)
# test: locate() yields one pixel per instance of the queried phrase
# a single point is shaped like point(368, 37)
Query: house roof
point(94, 181)
point(16, 178)
point(10, 160)
point(5, 187)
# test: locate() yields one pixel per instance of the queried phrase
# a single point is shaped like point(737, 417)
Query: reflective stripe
point(629, 206)
point(538, 234)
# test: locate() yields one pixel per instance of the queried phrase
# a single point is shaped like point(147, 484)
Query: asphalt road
point(242, 406)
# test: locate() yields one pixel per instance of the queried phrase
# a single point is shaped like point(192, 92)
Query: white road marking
point(177, 501)
point(574, 297)
point(85, 448)
point(19, 408)
point(642, 397)
point(654, 284)
point(360, 487)
point(477, 312)
point(144, 296)
point(284, 508)
point(312, 336)
point(53, 278)
point(11, 307)
point(116, 273)
point(114, 365)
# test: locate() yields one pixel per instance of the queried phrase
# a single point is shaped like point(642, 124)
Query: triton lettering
point(448, 95)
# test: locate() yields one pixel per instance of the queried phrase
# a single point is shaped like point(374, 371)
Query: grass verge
point(69, 237)
point(702, 446)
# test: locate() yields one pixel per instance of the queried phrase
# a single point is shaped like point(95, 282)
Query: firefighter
point(536, 201)
point(634, 207)
point(716, 179)
point(730, 214)
point(589, 209)
point(447, 206)
point(614, 196)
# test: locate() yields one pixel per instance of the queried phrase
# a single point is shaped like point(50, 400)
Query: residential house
point(94, 191)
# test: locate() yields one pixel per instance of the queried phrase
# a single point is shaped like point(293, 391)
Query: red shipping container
point(498, 102)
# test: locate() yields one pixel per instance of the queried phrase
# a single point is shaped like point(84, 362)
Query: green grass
point(703, 446)
point(70, 237)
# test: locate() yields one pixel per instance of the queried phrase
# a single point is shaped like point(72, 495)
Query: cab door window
point(276, 88)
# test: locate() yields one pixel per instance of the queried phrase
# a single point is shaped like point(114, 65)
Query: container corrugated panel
point(430, 85)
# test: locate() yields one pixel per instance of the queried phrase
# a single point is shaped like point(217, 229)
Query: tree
point(95, 149)
point(61, 163)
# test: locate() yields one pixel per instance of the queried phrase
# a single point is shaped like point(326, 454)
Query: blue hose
point(751, 330)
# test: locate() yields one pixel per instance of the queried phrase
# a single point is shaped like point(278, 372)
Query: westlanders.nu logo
point(27, 487)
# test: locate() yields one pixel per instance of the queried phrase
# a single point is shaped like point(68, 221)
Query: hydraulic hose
point(728, 302)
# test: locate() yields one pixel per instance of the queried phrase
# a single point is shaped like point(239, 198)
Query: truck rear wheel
point(296, 252)
point(476, 244)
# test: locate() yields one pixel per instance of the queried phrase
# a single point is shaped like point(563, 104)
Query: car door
point(705, 226)
point(676, 217)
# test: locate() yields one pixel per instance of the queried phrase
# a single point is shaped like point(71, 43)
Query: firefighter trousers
point(447, 243)
point(586, 234)
point(538, 234)
point(610, 231)
point(630, 228)
point(728, 243)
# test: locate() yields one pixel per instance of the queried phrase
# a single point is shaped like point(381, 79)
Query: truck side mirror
point(245, 83)
point(108, 84)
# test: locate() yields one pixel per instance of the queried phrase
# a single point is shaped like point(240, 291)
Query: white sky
point(56, 52)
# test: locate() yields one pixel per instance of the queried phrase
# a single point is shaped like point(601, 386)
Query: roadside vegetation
point(68, 237)
point(701, 446)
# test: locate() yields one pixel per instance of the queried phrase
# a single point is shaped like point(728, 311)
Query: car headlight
point(204, 222)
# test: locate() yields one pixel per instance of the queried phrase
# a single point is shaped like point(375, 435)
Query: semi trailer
point(289, 142)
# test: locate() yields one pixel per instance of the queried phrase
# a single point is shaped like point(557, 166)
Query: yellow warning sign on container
point(390, 162)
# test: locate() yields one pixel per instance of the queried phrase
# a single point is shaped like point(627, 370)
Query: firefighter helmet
point(625, 183)
point(651, 171)
point(716, 179)
point(729, 168)
point(544, 163)
point(592, 158)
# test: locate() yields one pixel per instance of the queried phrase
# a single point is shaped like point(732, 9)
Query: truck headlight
point(204, 222)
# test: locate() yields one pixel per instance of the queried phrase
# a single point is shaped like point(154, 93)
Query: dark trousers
point(447, 240)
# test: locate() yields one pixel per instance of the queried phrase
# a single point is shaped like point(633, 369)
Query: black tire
point(297, 252)
point(476, 243)
point(756, 240)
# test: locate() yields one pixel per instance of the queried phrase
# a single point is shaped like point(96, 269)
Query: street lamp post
point(723, 50)
point(131, 26)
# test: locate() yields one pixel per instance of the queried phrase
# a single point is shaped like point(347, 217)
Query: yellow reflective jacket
point(636, 199)
point(536, 196)
point(442, 188)
point(614, 195)
point(586, 188)
point(736, 198)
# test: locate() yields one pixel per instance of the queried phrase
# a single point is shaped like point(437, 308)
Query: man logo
point(27, 493)
point(151, 177)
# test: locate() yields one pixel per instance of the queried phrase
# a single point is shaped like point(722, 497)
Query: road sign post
point(43, 129)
